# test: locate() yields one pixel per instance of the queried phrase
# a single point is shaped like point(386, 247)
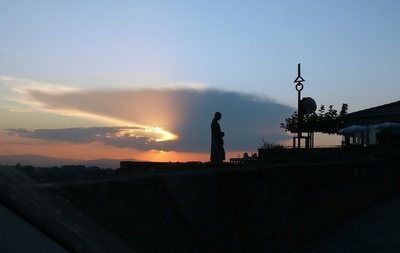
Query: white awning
point(352, 129)
point(387, 125)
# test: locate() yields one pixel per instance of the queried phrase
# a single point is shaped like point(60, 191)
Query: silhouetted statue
point(217, 143)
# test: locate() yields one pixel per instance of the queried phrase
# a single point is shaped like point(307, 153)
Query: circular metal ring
point(299, 86)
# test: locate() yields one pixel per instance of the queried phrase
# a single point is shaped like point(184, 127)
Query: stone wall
point(250, 209)
point(293, 156)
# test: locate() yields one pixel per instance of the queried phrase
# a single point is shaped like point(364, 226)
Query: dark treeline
point(62, 174)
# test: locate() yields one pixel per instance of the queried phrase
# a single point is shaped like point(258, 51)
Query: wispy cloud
point(163, 119)
point(122, 137)
point(23, 85)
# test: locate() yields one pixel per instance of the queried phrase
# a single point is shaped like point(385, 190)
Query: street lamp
point(306, 105)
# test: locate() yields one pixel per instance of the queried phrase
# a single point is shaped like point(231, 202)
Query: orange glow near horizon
point(173, 156)
point(14, 145)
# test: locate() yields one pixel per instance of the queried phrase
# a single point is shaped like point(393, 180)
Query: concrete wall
point(255, 209)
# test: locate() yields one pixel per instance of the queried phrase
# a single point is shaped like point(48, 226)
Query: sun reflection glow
point(164, 135)
point(152, 133)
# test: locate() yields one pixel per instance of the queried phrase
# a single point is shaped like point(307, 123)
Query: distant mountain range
point(45, 161)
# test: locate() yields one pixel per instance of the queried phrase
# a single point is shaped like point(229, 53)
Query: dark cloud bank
point(188, 113)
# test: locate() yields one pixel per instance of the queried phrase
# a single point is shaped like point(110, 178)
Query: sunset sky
point(143, 79)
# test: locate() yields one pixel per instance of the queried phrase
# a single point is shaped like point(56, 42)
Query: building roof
point(378, 114)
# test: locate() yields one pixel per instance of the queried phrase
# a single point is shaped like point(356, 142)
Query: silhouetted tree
point(328, 122)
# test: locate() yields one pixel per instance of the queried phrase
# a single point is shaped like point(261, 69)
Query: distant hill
point(45, 161)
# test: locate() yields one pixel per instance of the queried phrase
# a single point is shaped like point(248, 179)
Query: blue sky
point(55, 55)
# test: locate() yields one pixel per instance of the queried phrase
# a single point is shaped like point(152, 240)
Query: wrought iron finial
point(299, 79)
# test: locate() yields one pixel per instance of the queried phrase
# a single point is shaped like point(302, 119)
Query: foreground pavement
point(376, 229)
point(37, 220)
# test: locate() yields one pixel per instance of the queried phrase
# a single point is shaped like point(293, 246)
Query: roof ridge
point(386, 109)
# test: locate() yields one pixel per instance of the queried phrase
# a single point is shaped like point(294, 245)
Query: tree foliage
point(324, 121)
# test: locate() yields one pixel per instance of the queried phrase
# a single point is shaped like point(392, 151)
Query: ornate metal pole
point(299, 87)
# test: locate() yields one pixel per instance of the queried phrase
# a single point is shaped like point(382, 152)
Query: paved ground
point(19, 236)
point(38, 219)
point(376, 229)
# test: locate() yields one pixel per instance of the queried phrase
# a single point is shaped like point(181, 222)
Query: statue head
point(218, 115)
